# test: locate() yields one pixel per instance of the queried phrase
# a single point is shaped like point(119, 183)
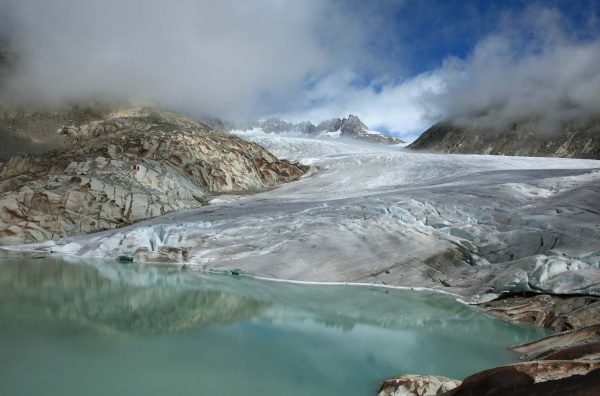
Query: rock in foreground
point(126, 167)
point(547, 378)
point(417, 385)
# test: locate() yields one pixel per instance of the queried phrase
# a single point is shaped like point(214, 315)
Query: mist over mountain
point(575, 139)
point(310, 60)
point(549, 79)
point(227, 59)
point(350, 127)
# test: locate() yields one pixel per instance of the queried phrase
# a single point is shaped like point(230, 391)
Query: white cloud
point(501, 84)
point(238, 59)
point(528, 69)
point(398, 107)
point(214, 57)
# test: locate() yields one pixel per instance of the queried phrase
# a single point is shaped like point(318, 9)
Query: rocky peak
point(275, 124)
point(350, 127)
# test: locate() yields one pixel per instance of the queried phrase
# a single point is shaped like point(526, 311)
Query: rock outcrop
point(567, 363)
point(580, 344)
point(579, 139)
point(351, 127)
point(560, 313)
point(125, 167)
point(539, 378)
point(417, 385)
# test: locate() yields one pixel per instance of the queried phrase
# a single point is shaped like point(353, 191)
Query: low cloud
point(398, 107)
point(313, 59)
point(223, 58)
point(528, 71)
point(530, 68)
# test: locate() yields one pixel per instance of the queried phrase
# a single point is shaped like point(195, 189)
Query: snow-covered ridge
point(472, 225)
point(351, 127)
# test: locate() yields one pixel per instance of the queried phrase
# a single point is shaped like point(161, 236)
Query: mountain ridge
point(351, 127)
point(573, 139)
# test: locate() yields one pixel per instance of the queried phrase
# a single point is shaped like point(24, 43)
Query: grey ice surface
point(473, 225)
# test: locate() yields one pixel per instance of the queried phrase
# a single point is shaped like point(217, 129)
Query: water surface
point(122, 329)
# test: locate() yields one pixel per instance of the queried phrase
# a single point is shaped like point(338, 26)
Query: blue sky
point(400, 65)
point(419, 35)
point(412, 40)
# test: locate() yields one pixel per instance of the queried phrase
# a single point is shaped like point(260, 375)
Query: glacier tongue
point(469, 224)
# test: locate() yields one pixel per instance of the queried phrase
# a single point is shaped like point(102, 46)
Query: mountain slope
point(573, 140)
point(124, 167)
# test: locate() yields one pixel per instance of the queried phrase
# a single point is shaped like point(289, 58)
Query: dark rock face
point(533, 379)
point(555, 377)
point(6, 59)
point(351, 127)
point(579, 139)
point(129, 165)
point(34, 132)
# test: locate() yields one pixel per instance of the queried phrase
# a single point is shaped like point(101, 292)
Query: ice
point(473, 225)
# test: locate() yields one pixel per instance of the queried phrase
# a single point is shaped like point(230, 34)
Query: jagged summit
point(351, 127)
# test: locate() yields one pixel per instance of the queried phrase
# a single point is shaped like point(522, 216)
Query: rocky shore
point(120, 167)
point(566, 363)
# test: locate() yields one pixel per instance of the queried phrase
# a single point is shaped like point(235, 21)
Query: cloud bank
point(312, 59)
point(530, 68)
point(221, 58)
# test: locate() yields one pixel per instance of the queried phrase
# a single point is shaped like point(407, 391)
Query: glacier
point(475, 226)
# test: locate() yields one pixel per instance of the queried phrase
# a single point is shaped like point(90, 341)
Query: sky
point(400, 65)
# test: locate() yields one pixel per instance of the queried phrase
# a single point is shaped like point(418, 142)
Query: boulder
point(417, 385)
point(547, 378)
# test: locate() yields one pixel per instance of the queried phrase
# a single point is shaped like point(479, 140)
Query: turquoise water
point(123, 329)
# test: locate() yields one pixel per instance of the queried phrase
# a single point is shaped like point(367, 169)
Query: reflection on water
point(122, 329)
point(83, 296)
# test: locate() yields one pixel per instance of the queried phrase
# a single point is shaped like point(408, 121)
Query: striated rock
point(583, 344)
point(417, 385)
point(125, 167)
point(556, 312)
point(577, 139)
point(545, 378)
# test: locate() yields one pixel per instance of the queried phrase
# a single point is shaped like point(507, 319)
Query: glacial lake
point(107, 328)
